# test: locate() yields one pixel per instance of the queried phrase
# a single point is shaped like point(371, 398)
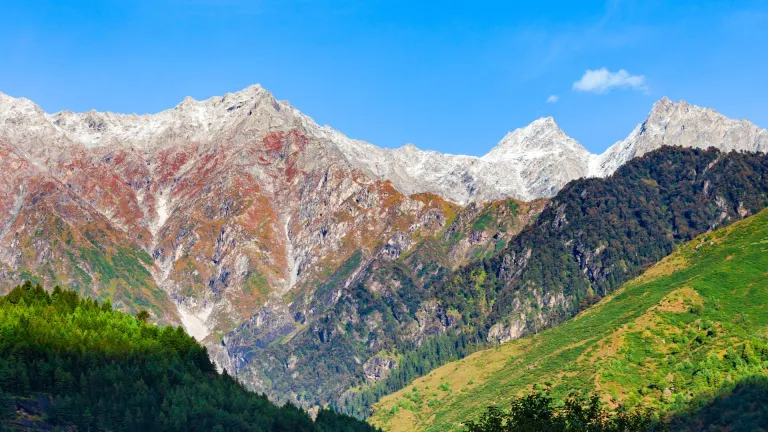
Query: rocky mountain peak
point(541, 136)
point(26, 126)
point(197, 120)
point(11, 106)
point(229, 102)
point(681, 124)
point(537, 128)
point(662, 105)
point(665, 109)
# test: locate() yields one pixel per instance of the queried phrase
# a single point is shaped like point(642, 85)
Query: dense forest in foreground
point(74, 364)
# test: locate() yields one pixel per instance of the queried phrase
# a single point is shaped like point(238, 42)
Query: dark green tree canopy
point(99, 369)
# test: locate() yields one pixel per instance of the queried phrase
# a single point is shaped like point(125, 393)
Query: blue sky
point(452, 76)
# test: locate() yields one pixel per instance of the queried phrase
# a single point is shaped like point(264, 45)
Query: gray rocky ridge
point(530, 162)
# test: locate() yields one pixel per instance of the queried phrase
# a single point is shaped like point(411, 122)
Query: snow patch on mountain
point(294, 262)
point(162, 208)
point(194, 322)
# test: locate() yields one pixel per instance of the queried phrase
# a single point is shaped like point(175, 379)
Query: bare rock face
point(377, 368)
point(501, 333)
point(525, 319)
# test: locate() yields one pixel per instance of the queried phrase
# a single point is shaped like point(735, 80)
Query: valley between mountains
point(328, 272)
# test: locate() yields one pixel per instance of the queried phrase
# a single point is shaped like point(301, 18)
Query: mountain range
point(530, 162)
point(303, 259)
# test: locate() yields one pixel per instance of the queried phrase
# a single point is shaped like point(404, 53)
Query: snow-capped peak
point(538, 138)
point(24, 122)
point(191, 119)
point(539, 127)
point(10, 105)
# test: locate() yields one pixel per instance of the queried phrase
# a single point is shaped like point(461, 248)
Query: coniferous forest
point(70, 363)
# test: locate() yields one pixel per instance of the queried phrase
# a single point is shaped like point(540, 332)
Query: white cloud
point(553, 99)
point(602, 81)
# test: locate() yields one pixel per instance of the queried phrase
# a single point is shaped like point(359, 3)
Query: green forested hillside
point(598, 233)
point(687, 339)
point(80, 365)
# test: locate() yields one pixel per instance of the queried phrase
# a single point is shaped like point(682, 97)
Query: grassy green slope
point(677, 335)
